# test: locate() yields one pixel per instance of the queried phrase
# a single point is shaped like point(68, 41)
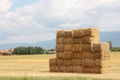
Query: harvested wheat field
point(38, 66)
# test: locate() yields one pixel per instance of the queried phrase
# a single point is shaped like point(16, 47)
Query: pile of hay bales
point(80, 51)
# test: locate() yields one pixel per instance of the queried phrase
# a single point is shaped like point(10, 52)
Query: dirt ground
point(38, 65)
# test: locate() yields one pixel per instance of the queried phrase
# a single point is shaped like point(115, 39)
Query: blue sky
point(38, 20)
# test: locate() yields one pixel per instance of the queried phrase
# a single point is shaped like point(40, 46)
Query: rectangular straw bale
point(60, 34)
point(60, 41)
point(93, 32)
point(98, 47)
point(60, 62)
point(101, 63)
point(88, 55)
point(60, 48)
point(86, 47)
point(90, 40)
point(88, 69)
point(53, 68)
point(67, 33)
point(77, 33)
point(62, 68)
point(77, 48)
point(77, 40)
point(104, 55)
point(100, 70)
point(53, 62)
point(88, 62)
point(68, 55)
point(60, 55)
point(76, 62)
point(77, 69)
point(67, 62)
point(78, 55)
point(68, 40)
point(68, 47)
point(69, 69)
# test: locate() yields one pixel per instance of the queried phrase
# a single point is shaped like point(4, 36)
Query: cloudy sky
point(38, 20)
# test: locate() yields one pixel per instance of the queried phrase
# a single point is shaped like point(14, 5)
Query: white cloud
point(40, 20)
point(4, 5)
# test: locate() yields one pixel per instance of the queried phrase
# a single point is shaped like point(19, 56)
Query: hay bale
point(100, 70)
point(60, 34)
point(87, 69)
point(87, 62)
point(104, 55)
point(77, 33)
point(88, 55)
point(62, 68)
point(77, 48)
point(68, 40)
point(53, 68)
point(86, 47)
point(68, 47)
point(101, 63)
point(53, 62)
point(78, 55)
point(60, 62)
point(60, 41)
point(90, 40)
point(68, 69)
point(76, 62)
point(77, 40)
point(60, 47)
point(67, 62)
point(77, 69)
point(93, 32)
point(99, 47)
point(67, 33)
point(60, 55)
point(68, 55)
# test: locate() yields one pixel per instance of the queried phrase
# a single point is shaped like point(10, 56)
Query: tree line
point(21, 50)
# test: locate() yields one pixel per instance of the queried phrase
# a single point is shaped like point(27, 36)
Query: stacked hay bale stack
point(80, 51)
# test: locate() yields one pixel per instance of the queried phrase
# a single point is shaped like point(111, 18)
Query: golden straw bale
point(101, 63)
point(88, 69)
point(68, 40)
point(68, 55)
point(67, 62)
point(77, 69)
point(100, 70)
point(60, 62)
point(67, 33)
point(68, 69)
point(68, 47)
point(77, 33)
point(78, 55)
point(88, 62)
point(86, 47)
point(77, 40)
point(60, 55)
point(53, 68)
point(76, 62)
point(93, 32)
point(53, 61)
point(60, 47)
point(98, 47)
point(77, 48)
point(88, 55)
point(60, 41)
point(60, 34)
point(62, 68)
point(90, 40)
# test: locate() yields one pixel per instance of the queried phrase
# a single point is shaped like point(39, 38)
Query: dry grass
point(38, 65)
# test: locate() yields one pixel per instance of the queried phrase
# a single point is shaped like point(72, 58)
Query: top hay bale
point(68, 33)
point(60, 34)
point(92, 32)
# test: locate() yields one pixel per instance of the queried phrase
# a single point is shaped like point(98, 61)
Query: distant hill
point(105, 36)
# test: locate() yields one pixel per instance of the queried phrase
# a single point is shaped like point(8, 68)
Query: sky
point(38, 20)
